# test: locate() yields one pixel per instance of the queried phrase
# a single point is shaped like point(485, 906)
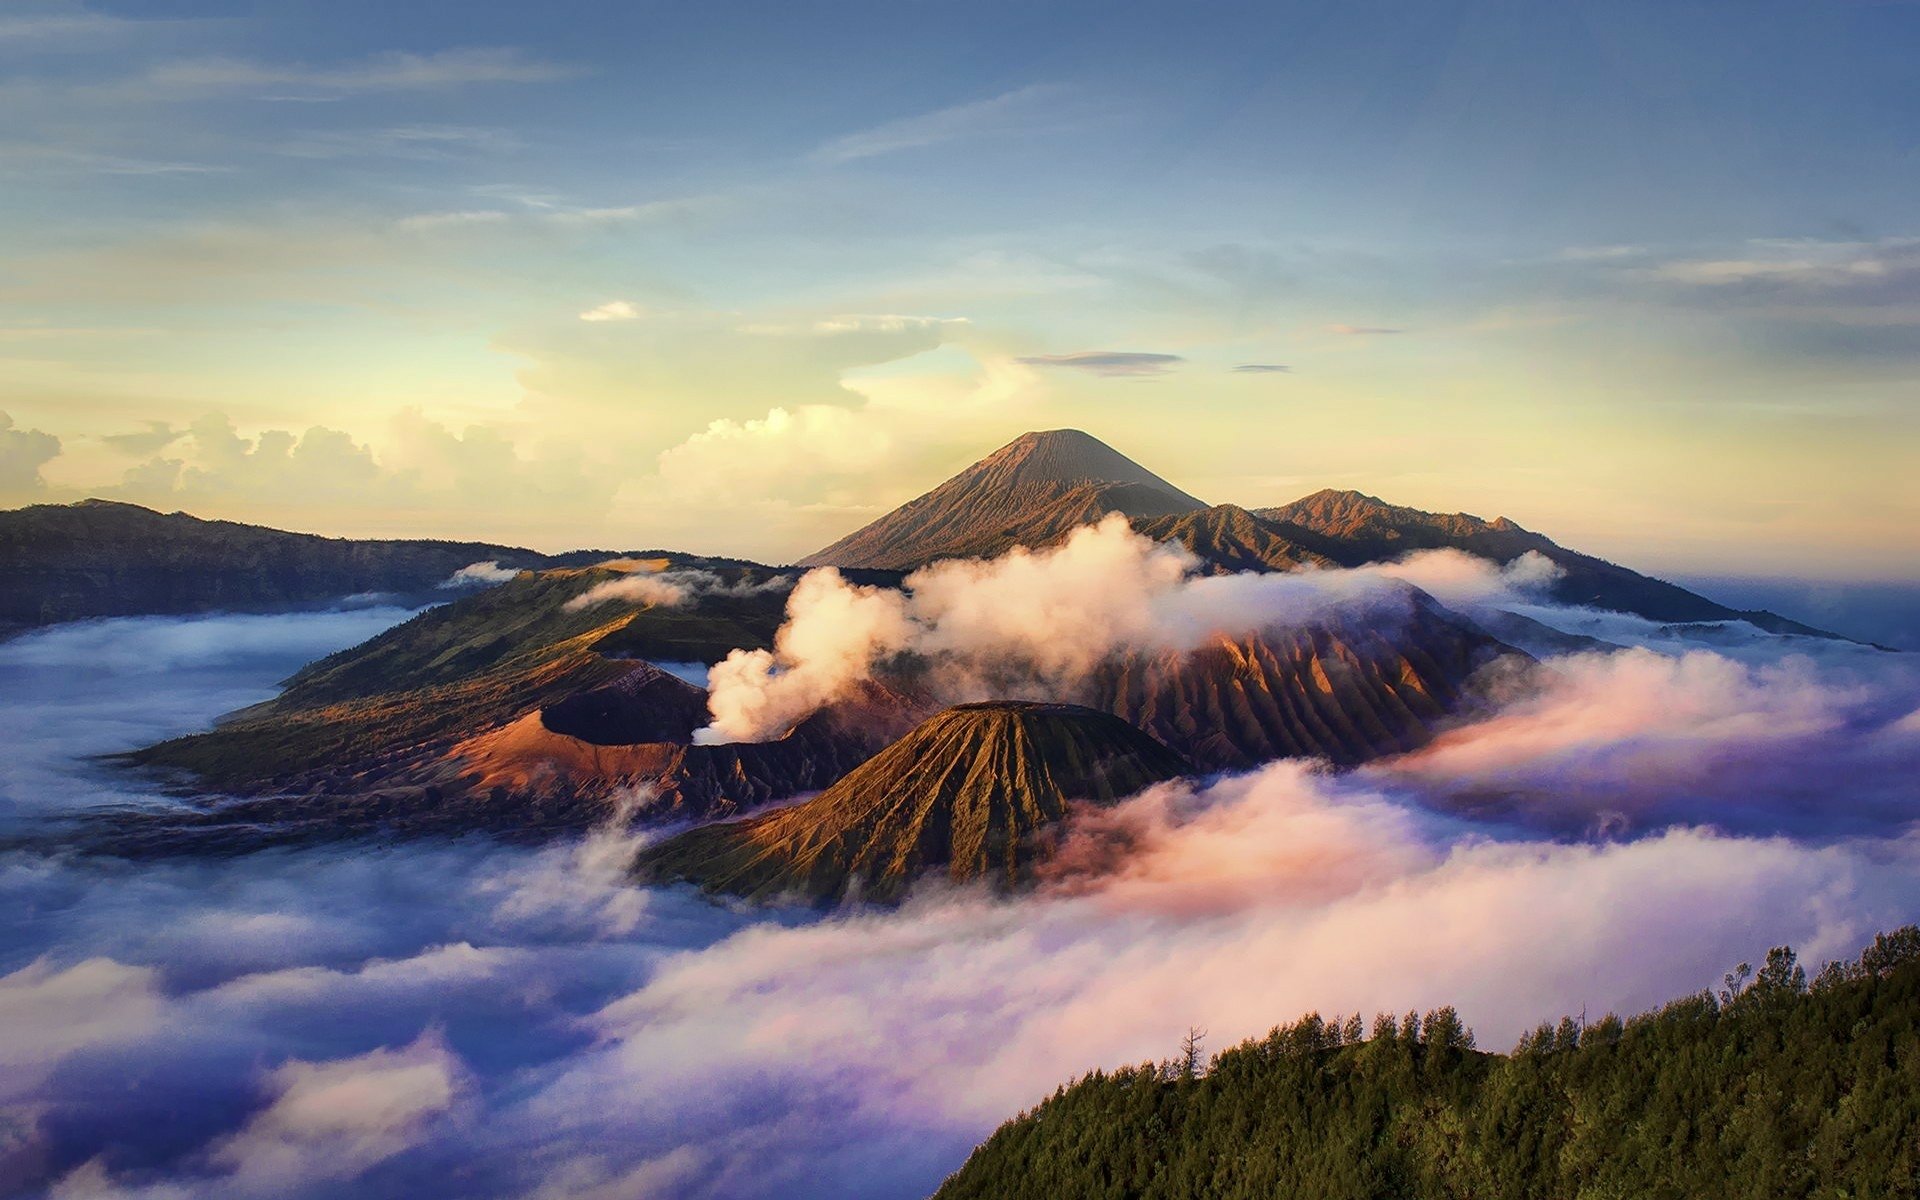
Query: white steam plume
point(1040, 620)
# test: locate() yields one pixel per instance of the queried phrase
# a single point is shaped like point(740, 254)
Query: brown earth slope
point(1029, 492)
point(972, 793)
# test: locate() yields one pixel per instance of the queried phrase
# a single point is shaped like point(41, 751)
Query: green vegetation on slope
point(1776, 1089)
point(457, 670)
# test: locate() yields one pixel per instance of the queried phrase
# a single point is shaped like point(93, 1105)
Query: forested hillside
point(1775, 1086)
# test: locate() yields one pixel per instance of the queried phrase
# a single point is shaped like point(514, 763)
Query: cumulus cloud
point(22, 453)
point(815, 439)
point(1119, 363)
point(422, 474)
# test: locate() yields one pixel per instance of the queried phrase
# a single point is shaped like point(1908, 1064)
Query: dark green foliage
point(1780, 1088)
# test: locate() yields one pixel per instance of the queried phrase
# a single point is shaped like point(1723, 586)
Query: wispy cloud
point(1798, 263)
point(1262, 369)
point(1108, 362)
point(1363, 330)
point(393, 71)
point(1608, 253)
point(423, 142)
point(1019, 110)
point(53, 26)
point(613, 310)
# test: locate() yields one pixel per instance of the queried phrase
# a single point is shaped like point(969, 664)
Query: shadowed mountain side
point(972, 790)
point(456, 670)
point(519, 782)
point(1030, 492)
point(1348, 689)
point(1358, 529)
point(103, 558)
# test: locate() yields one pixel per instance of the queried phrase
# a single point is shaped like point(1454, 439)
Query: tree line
point(1774, 1086)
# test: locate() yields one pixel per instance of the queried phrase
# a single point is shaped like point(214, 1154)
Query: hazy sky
point(737, 277)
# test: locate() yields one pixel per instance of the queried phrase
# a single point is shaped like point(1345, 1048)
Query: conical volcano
point(1029, 492)
point(972, 790)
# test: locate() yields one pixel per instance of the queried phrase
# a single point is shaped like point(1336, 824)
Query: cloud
point(334, 1120)
point(1603, 253)
point(53, 26)
point(1037, 622)
point(1017, 111)
point(1615, 743)
point(1108, 362)
point(391, 71)
point(480, 574)
point(423, 474)
point(1362, 330)
point(1262, 369)
point(424, 143)
point(1782, 265)
point(158, 435)
point(614, 310)
point(670, 590)
point(812, 439)
point(51, 1012)
point(374, 1022)
point(22, 453)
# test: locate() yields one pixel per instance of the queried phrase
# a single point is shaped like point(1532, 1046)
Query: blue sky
point(738, 277)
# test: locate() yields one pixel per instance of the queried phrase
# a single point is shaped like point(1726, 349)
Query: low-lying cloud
point(519, 1022)
point(651, 585)
point(480, 574)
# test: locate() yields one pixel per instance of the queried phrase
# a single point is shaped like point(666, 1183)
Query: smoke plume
point(1036, 622)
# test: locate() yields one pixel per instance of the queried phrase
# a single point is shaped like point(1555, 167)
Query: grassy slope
point(456, 670)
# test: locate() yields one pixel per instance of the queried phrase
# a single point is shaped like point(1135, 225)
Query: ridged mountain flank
point(1356, 528)
point(1030, 492)
point(973, 791)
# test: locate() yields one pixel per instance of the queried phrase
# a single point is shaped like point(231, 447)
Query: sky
point(739, 277)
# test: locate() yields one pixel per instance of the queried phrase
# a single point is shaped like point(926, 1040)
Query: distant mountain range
point(105, 558)
point(102, 558)
point(518, 711)
point(1041, 486)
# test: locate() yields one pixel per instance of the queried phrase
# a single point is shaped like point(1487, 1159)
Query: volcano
point(1032, 491)
point(974, 790)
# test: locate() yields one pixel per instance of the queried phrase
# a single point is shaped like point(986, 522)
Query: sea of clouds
point(458, 1017)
